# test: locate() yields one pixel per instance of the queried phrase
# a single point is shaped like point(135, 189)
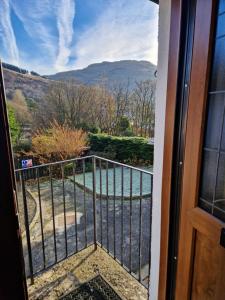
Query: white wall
point(164, 26)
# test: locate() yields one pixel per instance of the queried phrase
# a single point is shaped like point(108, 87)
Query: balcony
point(84, 217)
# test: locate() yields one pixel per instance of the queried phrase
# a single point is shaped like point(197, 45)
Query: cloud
point(34, 16)
point(125, 30)
point(51, 42)
point(49, 24)
point(65, 17)
point(7, 36)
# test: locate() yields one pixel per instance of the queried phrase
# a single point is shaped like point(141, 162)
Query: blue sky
point(50, 36)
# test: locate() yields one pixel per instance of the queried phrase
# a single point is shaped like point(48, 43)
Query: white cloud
point(65, 17)
point(7, 36)
point(33, 15)
point(125, 30)
point(50, 24)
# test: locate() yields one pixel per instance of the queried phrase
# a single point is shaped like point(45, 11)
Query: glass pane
point(205, 205)
point(220, 214)
point(208, 175)
point(212, 188)
point(214, 121)
point(221, 6)
point(218, 68)
point(221, 26)
point(223, 137)
point(220, 185)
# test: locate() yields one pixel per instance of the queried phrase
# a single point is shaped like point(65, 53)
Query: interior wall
point(161, 91)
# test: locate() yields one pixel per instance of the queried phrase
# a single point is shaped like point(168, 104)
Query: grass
point(136, 182)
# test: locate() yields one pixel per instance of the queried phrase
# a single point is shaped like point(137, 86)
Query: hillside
point(110, 73)
point(33, 87)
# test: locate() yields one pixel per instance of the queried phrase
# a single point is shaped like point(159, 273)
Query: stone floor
point(125, 216)
point(81, 267)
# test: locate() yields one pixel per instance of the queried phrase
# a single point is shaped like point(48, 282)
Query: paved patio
point(49, 255)
point(68, 274)
point(81, 267)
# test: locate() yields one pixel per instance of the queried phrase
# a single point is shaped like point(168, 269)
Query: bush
point(126, 149)
point(15, 129)
point(59, 142)
point(123, 125)
point(89, 128)
point(109, 155)
point(23, 146)
point(68, 168)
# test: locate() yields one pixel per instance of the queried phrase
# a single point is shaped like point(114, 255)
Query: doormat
point(95, 289)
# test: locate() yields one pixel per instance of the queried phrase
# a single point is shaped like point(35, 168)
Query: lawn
point(136, 182)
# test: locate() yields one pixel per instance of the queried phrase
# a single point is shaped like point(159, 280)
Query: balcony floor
point(81, 267)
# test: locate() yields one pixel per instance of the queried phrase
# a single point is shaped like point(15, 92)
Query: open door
point(201, 247)
point(12, 272)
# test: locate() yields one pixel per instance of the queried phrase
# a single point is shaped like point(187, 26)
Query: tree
point(78, 106)
point(123, 126)
point(95, 108)
point(142, 108)
point(15, 129)
point(121, 95)
point(58, 142)
point(19, 104)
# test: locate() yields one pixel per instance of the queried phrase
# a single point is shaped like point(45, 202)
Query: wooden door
point(12, 271)
point(201, 253)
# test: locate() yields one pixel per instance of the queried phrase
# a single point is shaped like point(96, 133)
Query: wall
point(164, 25)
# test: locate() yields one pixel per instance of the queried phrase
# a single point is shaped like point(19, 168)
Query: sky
point(49, 36)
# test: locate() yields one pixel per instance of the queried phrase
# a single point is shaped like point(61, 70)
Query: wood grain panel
point(206, 224)
point(209, 270)
point(174, 46)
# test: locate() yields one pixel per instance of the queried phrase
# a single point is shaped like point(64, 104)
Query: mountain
point(33, 87)
point(110, 73)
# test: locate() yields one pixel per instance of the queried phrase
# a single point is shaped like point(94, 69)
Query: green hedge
point(124, 149)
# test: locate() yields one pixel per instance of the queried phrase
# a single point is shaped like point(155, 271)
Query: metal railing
point(69, 205)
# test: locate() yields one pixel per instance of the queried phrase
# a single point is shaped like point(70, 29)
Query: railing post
point(26, 222)
point(150, 235)
point(94, 200)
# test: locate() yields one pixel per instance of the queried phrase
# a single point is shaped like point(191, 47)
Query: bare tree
point(142, 108)
point(78, 106)
point(121, 94)
point(92, 107)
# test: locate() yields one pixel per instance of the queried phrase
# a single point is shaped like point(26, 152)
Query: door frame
point(207, 8)
point(172, 86)
point(190, 213)
point(12, 271)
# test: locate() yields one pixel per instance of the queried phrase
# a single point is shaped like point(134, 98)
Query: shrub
point(68, 168)
point(59, 142)
point(123, 126)
point(15, 129)
point(89, 128)
point(126, 149)
point(23, 146)
point(106, 154)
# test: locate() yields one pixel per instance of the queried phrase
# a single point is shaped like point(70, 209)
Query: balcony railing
point(69, 205)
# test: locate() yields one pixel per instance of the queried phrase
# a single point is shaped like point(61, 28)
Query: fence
point(69, 205)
